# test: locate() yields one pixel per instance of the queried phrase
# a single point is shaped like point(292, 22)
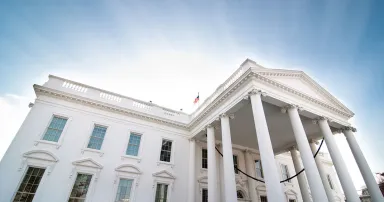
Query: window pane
point(29, 184)
point(205, 195)
point(235, 164)
point(80, 188)
point(166, 148)
point(263, 199)
point(204, 158)
point(285, 172)
point(133, 145)
point(124, 190)
point(55, 129)
point(330, 181)
point(161, 193)
point(97, 137)
point(259, 169)
point(240, 194)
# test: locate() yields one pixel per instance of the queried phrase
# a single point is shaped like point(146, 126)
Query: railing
point(93, 93)
point(236, 75)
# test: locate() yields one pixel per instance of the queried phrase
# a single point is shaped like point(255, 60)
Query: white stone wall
point(59, 177)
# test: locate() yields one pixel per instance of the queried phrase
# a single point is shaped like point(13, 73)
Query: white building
point(82, 144)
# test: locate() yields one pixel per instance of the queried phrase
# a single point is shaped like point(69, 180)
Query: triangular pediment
point(128, 168)
point(301, 82)
point(41, 155)
point(164, 174)
point(87, 163)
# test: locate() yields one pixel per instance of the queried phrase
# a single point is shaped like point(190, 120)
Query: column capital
point(320, 118)
point(192, 139)
point(291, 106)
point(230, 116)
point(256, 92)
point(348, 128)
point(313, 141)
point(209, 126)
point(294, 147)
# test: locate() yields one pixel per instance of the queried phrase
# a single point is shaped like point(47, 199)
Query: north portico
point(271, 111)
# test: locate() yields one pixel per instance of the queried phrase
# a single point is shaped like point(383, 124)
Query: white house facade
point(83, 144)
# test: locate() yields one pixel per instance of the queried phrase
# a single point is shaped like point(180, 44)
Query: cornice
point(105, 106)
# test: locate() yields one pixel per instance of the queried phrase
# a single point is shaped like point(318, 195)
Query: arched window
point(240, 194)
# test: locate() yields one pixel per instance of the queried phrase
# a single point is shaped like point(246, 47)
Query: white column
point(251, 170)
point(271, 174)
point(229, 171)
point(301, 178)
point(323, 174)
point(366, 172)
point(314, 180)
point(212, 167)
point(192, 173)
point(341, 169)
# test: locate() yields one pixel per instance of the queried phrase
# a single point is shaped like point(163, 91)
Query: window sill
point(165, 163)
point(131, 157)
point(92, 151)
point(203, 170)
point(56, 144)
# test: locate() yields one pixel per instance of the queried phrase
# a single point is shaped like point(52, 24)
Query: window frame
point(90, 136)
point(131, 194)
point(139, 151)
point(63, 133)
point(237, 163)
point(330, 182)
point(126, 171)
point(286, 168)
point(90, 131)
point(43, 178)
point(261, 169)
point(171, 163)
point(89, 194)
point(265, 196)
point(202, 191)
point(202, 149)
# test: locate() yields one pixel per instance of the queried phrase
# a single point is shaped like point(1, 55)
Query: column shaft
point(362, 163)
point(341, 169)
point(249, 164)
point(229, 171)
point(323, 174)
point(192, 173)
point(314, 180)
point(272, 180)
point(212, 167)
point(304, 189)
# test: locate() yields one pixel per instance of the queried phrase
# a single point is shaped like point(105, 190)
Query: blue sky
point(143, 48)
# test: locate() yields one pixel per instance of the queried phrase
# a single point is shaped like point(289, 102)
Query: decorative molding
point(348, 128)
point(88, 162)
point(128, 168)
point(164, 174)
point(36, 154)
point(224, 115)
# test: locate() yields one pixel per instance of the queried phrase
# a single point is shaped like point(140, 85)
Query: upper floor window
point(292, 200)
point(133, 144)
point(204, 195)
point(285, 172)
point(28, 186)
point(259, 169)
point(80, 188)
point(204, 158)
point(235, 164)
point(97, 137)
point(124, 190)
point(161, 193)
point(330, 181)
point(166, 150)
point(55, 129)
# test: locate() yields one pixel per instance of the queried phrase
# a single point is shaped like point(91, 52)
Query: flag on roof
point(196, 99)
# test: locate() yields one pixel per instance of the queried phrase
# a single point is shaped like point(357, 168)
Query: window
point(133, 144)
point(259, 169)
point(285, 172)
point(292, 200)
point(124, 190)
point(80, 188)
point(235, 163)
point(204, 195)
point(166, 149)
point(263, 199)
point(55, 129)
point(204, 158)
point(161, 193)
point(97, 137)
point(28, 186)
point(330, 181)
point(240, 194)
